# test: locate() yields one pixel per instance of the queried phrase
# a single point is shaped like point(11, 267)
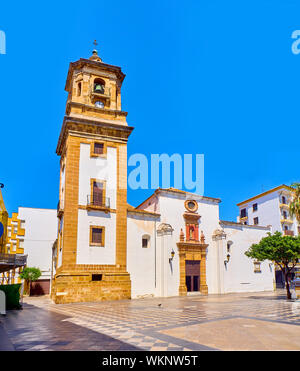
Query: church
point(172, 244)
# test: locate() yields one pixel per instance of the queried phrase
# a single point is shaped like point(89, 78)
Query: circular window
point(191, 205)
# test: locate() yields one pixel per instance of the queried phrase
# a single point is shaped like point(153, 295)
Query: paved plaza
point(253, 321)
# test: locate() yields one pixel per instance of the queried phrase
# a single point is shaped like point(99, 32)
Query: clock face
point(99, 104)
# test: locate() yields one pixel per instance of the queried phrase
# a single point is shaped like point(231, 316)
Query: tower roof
point(95, 57)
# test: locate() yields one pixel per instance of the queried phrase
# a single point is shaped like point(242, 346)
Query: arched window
point(145, 241)
point(79, 89)
point(99, 86)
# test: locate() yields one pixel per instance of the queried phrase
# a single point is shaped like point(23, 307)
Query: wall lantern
point(172, 256)
point(227, 261)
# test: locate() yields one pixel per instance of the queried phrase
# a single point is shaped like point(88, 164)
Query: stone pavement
point(253, 321)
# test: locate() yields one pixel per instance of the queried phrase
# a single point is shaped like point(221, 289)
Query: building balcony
point(287, 221)
point(98, 203)
point(11, 261)
point(243, 218)
point(284, 206)
point(288, 233)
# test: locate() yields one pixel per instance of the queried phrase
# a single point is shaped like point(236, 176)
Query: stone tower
point(92, 210)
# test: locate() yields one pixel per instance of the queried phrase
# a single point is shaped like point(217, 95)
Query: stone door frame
point(192, 251)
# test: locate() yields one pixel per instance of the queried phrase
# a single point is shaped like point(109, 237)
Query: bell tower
point(91, 246)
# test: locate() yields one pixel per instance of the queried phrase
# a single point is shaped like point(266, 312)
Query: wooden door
point(98, 193)
point(192, 275)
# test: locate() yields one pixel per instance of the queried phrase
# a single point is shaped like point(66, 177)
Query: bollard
point(2, 303)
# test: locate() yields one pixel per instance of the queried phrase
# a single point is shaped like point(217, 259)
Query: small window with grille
point(98, 149)
point(97, 236)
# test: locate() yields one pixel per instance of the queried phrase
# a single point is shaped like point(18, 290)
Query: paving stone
point(137, 324)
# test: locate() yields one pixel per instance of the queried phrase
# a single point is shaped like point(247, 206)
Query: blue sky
point(211, 77)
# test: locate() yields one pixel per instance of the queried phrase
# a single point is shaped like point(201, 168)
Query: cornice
point(78, 125)
point(191, 246)
point(87, 107)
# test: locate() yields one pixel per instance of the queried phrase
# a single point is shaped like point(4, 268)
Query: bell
point(99, 88)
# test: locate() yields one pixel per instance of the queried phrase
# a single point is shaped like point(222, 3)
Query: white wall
point(40, 234)
point(172, 209)
point(101, 169)
point(269, 212)
point(97, 168)
point(239, 275)
point(87, 254)
point(141, 261)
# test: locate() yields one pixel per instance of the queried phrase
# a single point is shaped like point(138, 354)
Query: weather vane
point(95, 43)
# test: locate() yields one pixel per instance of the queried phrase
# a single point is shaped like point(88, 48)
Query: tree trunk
point(287, 285)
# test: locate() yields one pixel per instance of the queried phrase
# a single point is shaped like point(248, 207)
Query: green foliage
point(12, 295)
point(295, 203)
point(280, 249)
point(30, 274)
point(283, 250)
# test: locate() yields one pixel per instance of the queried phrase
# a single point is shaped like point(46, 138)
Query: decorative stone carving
point(218, 234)
point(181, 236)
point(164, 228)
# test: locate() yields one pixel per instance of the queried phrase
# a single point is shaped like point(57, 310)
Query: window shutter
point(97, 235)
point(98, 193)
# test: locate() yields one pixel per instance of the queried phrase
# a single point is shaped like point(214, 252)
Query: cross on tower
point(95, 43)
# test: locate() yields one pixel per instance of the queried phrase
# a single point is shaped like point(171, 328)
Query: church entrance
point(192, 278)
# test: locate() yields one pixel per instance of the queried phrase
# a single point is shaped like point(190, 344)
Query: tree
point(295, 203)
point(283, 250)
point(30, 275)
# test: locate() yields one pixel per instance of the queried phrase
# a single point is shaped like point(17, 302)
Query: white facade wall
point(40, 234)
point(238, 273)
point(152, 272)
point(172, 210)
point(141, 262)
point(87, 254)
point(269, 212)
point(99, 168)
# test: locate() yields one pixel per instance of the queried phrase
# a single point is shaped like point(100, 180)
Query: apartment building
point(270, 208)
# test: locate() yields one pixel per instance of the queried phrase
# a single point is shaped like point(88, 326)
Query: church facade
point(172, 244)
